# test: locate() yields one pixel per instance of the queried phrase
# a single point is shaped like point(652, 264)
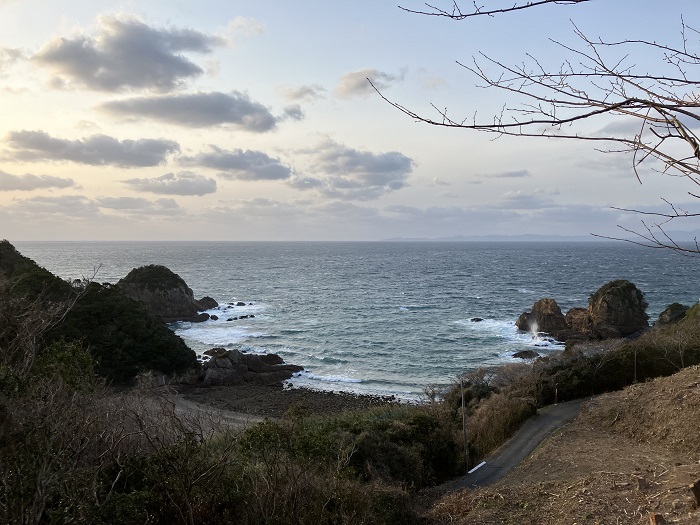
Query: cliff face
point(163, 292)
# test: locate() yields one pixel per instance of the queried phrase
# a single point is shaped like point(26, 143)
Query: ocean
point(386, 318)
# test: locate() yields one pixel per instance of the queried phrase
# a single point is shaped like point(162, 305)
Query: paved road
point(531, 434)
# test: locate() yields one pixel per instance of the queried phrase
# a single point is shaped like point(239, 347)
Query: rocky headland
point(165, 294)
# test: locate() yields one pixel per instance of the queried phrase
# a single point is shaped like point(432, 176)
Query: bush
point(123, 336)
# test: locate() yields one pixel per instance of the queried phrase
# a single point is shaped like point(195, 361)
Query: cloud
point(240, 164)
point(96, 150)
point(126, 54)
point(139, 206)
point(437, 181)
point(293, 112)
point(9, 56)
point(183, 183)
point(354, 84)
point(242, 26)
point(509, 174)
point(71, 206)
point(307, 93)
point(519, 200)
point(32, 182)
point(347, 173)
point(198, 110)
point(430, 82)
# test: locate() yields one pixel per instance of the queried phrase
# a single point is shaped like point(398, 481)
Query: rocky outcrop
point(526, 354)
point(231, 367)
point(673, 313)
point(206, 303)
point(165, 294)
point(545, 316)
point(617, 309)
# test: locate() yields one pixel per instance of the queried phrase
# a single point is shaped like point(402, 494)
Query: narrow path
point(214, 416)
point(526, 439)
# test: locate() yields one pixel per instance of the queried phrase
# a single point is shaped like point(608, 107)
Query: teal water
point(385, 317)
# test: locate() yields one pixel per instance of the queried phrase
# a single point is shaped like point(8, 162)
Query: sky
point(238, 120)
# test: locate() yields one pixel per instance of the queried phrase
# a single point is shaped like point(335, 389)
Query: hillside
point(629, 454)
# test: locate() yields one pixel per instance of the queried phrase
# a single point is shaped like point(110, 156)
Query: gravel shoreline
point(274, 400)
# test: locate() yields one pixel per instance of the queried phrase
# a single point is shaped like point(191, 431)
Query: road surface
point(531, 434)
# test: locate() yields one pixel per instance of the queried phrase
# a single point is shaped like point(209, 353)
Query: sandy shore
point(274, 400)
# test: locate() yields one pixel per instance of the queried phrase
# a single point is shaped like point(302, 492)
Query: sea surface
point(380, 317)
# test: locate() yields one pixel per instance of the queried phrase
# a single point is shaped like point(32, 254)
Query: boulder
point(526, 354)
point(164, 293)
point(618, 309)
point(545, 316)
point(673, 313)
point(231, 367)
point(206, 303)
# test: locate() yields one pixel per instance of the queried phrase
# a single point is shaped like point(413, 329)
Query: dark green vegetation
point(122, 336)
point(153, 277)
point(73, 450)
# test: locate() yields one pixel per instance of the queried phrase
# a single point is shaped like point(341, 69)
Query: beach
point(274, 401)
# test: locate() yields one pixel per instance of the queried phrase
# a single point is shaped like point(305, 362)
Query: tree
point(599, 80)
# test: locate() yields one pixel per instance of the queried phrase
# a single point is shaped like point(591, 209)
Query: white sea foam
point(308, 376)
point(507, 331)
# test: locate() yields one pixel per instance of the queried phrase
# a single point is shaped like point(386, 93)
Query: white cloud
point(307, 93)
point(241, 27)
point(139, 206)
point(30, 182)
point(355, 84)
point(183, 183)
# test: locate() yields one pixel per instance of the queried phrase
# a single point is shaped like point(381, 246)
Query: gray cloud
point(240, 164)
point(140, 206)
point(518, 200)
point(71, 206)
point(183, 183)
point(126, 54)
point(437, 181)
point(198, 110)
point(30, 182)
point(354, 84)
point(306, 93)
point(509, 174)
point(9, 56)
point(293, 112)
point(96, 150)
point(347, 173)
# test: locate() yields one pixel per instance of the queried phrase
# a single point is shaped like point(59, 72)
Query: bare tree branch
point(599, 82)
point(457, 13)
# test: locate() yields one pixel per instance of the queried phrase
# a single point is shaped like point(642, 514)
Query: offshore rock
point(673, 313)
point(206, 303)
point(618, 309)
point(526, 354)
point(164, 293)
point(545, 316)
point(231, 367)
